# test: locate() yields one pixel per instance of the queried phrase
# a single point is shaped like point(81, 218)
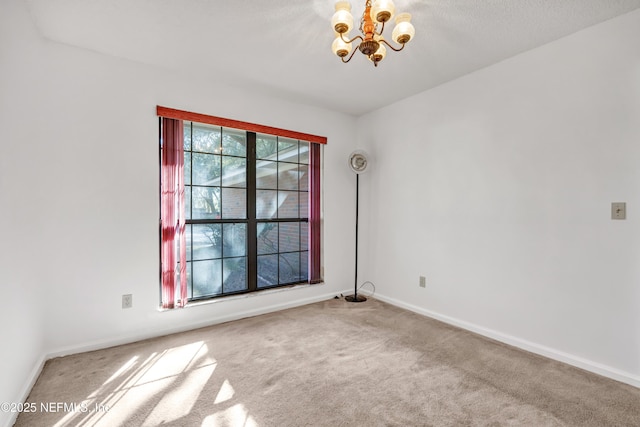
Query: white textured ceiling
point(282, 47)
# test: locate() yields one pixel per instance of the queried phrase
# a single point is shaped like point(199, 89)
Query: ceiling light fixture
point(372, 44)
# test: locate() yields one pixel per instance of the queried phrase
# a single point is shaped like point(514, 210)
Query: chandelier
point(372, 44)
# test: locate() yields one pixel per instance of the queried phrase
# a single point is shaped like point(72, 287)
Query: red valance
point(171, 113)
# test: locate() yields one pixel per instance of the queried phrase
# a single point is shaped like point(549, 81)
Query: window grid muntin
point(279, 218)
point(302, 222)
point(191, 221)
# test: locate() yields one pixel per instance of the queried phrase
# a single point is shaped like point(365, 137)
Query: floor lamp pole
point(355, 297)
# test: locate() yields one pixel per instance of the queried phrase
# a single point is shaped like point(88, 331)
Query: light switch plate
point(127, 301)
point(618, 210)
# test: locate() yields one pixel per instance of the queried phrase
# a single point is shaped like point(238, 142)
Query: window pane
point(304, 152)
point(304, 236)
point(235, 274)
point(290, 268)
point(205, 138)
point(266, 204)
point(187, 202)
point(287, 150)
point(207, 241)
point(304, 178)
point(266, 175)
point(267, 270)
point(287, 176)
point(206, 202)
point(288, 201)
point(303, 204)
point(235, 240)
point(289, 237)
point(304, 266)
point(206, 169)
point(207, 278)
point(267, 238)
point(186, 135)
point(189, 283)
point(234, 203)
point(234, 172)
point(266, 146)
point(187, 168)
point(187, 234)
point(234, 142)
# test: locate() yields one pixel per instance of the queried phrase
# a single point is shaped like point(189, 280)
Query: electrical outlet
point(127, 301)
point(423, 282)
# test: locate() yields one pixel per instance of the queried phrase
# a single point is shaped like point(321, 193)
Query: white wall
point(497, 187)
point(22, 348)
point(79, 184)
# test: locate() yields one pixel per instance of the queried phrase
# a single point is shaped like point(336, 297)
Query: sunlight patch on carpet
point(172, 362)
point(237, 415)
point(123, 369)
point(226, 392)
point(180, 400)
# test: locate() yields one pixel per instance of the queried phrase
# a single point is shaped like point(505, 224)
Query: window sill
point(247, 295)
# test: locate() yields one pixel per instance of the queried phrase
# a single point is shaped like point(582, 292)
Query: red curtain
point(173, 248)
point(314, 214)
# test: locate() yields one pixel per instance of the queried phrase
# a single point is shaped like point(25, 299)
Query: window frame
point(252, 220)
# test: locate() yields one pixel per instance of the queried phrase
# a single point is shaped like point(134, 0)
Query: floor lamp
point(358, 163)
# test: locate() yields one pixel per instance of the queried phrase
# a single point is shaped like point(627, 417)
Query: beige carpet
point(326, 364)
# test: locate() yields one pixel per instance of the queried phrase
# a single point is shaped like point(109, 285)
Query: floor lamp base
point(355, 298)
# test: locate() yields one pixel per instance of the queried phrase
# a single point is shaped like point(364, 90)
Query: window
point(215, 195)
point(243, 214)
point(282, 210)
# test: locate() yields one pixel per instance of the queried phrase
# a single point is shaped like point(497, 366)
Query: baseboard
point(579, 362)
point(111, 342)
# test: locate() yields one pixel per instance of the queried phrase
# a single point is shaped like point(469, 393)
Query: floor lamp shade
point(359, 161)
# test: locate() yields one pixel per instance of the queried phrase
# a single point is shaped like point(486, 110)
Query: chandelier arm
point(352, 40)
point(350, 56)
point(381, 30)
point(393, 48)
